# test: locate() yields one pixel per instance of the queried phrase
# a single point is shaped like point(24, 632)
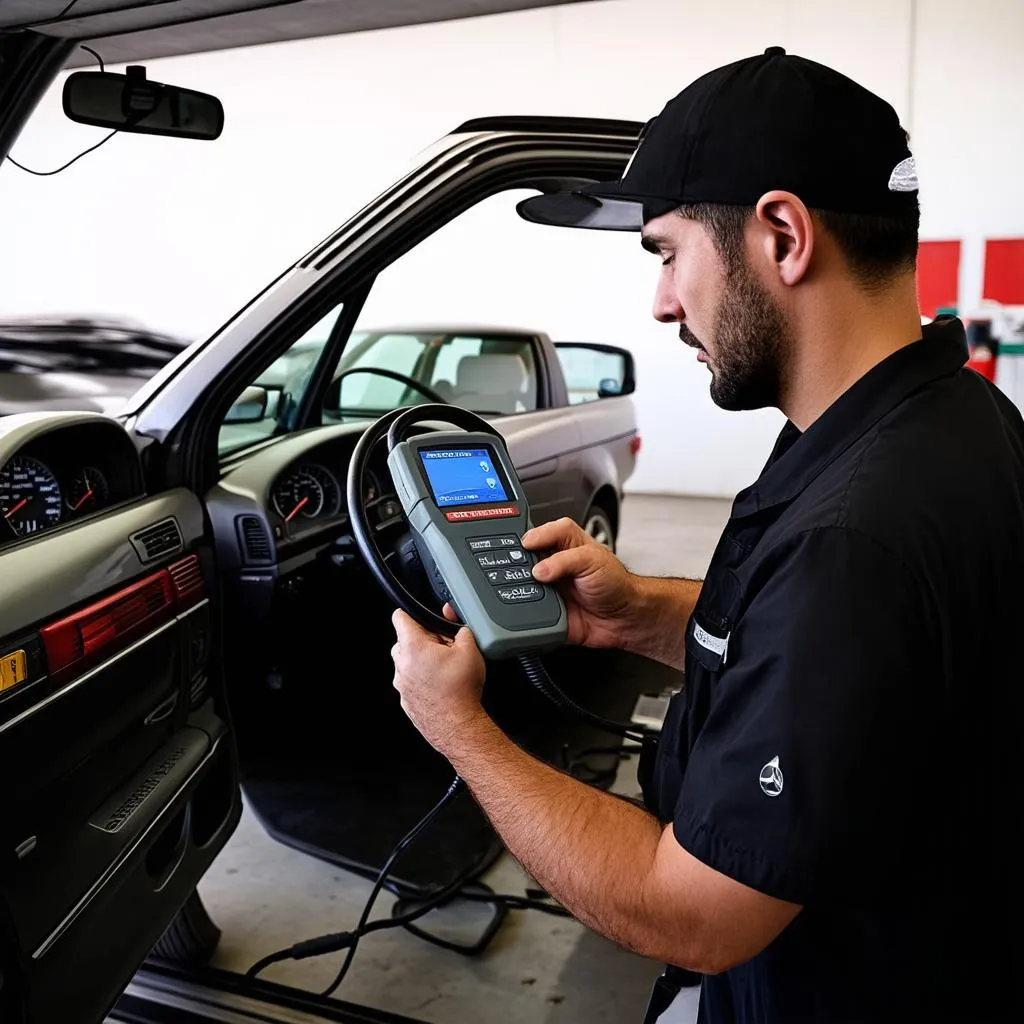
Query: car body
point(161, 633)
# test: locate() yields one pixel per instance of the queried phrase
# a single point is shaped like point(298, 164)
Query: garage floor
point(539, 968)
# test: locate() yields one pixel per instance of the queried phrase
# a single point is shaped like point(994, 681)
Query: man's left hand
point(441, 680)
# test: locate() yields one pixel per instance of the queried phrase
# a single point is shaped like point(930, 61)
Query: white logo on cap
point(904, 176)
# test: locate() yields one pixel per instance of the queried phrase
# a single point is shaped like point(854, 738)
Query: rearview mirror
point(249, 407)
point(595, 371)
point(132, 103)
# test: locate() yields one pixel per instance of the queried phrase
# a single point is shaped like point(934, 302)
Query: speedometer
point(310, 492)
point(29, 496)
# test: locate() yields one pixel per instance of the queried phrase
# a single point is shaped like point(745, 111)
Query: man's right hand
point(599, 593)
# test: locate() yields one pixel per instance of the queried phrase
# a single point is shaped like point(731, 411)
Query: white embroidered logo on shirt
point(771, 778)
point(715, 644)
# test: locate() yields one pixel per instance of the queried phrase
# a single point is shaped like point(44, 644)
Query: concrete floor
point(539, 968)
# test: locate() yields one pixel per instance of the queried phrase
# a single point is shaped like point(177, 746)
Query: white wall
point(180, 234)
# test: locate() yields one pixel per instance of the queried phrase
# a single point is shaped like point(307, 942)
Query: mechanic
point(832, 796)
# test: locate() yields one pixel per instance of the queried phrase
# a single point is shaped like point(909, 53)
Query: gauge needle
point(288, 518)
point(7, 515)
point(81, 501)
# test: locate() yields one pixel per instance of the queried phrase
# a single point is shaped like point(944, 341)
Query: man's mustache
point(687, 337)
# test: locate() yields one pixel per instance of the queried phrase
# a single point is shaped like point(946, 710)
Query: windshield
point(487, 374)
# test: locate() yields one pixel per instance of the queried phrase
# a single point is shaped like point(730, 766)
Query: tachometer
point(309, 492)
point(29, 496)
point(88, 491)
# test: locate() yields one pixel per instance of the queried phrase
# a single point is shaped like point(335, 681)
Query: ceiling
point(134, 30)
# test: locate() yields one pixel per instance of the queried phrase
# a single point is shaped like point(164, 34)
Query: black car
point(87, 363)
point(167, 618)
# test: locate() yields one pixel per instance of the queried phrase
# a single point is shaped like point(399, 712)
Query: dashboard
point(66, 475)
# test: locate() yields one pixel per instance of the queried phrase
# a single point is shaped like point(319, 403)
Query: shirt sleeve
point(805, 779)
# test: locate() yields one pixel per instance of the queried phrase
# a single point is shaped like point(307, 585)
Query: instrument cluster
point(312, 493)
point(64, 477)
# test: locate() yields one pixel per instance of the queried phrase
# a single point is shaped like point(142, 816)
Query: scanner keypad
point(507, 567)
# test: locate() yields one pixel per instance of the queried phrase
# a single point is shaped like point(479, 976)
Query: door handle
point(163, 710)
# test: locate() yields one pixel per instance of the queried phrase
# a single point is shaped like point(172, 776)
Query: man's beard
point(751, 341)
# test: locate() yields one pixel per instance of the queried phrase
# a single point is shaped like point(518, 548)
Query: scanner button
point(517, 574)
point(499, 559)
point(492, 543)
point(520, 594)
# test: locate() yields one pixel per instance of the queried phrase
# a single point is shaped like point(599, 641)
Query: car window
point(585, 369)
point(263, 407)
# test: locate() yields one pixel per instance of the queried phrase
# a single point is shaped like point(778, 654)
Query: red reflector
point(482, 513)
point(84, 638)
point(634, 444)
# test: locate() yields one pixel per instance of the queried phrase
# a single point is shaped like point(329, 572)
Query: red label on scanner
point(482, 513)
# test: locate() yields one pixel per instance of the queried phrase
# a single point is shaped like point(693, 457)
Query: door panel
point(120, 778)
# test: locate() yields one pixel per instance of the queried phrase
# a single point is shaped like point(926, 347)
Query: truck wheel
point(191, 937)
point(598, 524)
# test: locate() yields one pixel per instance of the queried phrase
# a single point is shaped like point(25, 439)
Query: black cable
point(336, 941)
point(107, 138)
point(99, 59)
point(539, 678)
point(46, 174)
point(66, 9)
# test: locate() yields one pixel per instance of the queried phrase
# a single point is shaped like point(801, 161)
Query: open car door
point(121, 784)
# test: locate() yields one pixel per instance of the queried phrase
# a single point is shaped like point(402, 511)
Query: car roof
point(127, 30)
point(490, 330)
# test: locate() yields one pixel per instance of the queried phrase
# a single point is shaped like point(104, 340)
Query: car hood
point(58, 392)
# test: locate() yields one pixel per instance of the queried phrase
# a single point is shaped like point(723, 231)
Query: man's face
point(723, 311)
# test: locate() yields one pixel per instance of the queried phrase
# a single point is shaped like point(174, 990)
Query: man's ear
point(787, 230)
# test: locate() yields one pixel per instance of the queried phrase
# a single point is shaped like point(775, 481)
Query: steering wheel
point(395, 427)
point(424, 389)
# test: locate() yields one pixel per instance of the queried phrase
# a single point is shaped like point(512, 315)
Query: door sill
point(171, 994)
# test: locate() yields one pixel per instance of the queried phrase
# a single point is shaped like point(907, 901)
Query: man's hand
point(599, 594)
point(440, 680)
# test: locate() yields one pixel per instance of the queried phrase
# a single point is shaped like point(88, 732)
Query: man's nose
point(667, 307)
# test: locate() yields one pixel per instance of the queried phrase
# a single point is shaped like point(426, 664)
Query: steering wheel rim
point(394, 426)
point(424, 389)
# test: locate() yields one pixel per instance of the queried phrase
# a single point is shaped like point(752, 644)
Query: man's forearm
point(590, 850)
point(663, 608)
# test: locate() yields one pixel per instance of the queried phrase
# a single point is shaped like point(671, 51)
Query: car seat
point(496, 382)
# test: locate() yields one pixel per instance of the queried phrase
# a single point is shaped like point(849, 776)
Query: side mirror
point(249, 407)
point(595, 371)
point(132, 103)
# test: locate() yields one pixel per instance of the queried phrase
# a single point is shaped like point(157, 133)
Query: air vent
point(158, 541)
point(255, 540)
point(186, 578)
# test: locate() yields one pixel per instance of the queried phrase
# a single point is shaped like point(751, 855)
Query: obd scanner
point(468, 513)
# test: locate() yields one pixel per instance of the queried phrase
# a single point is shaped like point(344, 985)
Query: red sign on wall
point(938, 276)
point(1004, 271)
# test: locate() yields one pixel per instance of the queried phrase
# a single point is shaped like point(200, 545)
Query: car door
point(115, 749)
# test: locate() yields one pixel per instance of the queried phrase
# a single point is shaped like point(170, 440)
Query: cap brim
point(581, 210)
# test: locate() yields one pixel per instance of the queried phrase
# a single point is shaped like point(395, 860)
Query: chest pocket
point(709, 630)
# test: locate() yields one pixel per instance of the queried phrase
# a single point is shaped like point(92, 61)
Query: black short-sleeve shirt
point(849, 736)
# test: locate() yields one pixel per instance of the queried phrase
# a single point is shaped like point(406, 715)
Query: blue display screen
point(462, 476)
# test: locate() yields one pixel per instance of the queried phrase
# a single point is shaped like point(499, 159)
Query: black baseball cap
point(772, 121)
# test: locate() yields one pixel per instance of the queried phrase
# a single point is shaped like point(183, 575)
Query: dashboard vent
point(255, 540)
point(158, 541)
point(186, 578)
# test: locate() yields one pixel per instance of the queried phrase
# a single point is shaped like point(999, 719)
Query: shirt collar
point(798, 458)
